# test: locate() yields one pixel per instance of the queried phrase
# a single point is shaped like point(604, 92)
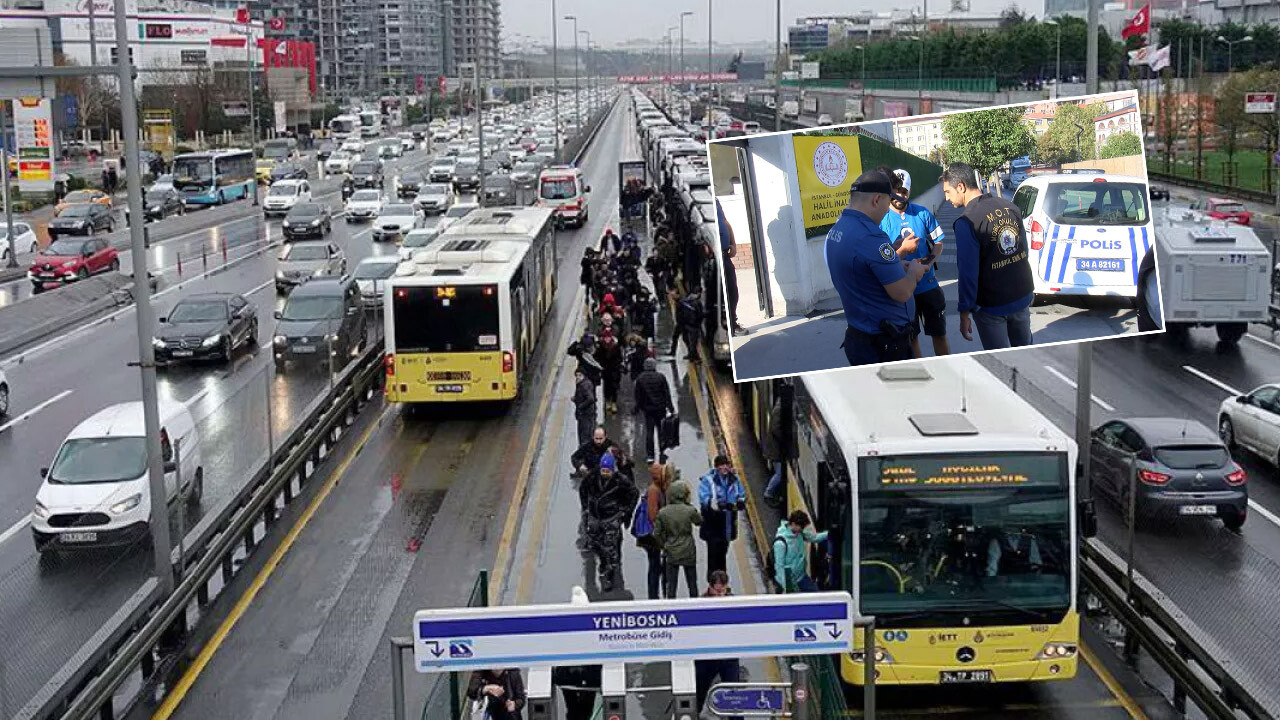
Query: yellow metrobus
point(952, 519)
point(464, 314)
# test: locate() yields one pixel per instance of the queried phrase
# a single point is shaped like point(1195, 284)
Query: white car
point(355, 147)
point(824, 119)
point(1086, 231)
point(364, 205)
point(455, 213)
point(394, 220)
point(371, 274)
point(284, 194)
point(434, 197)
point(26, 240)
point(416, 240)
point(340, 161)
point(407, 143)
point(1253, 421)
point(441, 169)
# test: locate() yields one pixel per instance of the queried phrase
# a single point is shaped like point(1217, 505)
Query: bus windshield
point(446, 319)
point(192, 172)
point(976, 535)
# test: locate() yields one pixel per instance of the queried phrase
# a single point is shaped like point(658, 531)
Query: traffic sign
point(1259, 102)
point(450, 639)
point(746, 699)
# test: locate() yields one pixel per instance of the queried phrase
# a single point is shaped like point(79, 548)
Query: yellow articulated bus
point(954, 501)
point(464, 314)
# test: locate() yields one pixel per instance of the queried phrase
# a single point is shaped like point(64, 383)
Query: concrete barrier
point(41, 315)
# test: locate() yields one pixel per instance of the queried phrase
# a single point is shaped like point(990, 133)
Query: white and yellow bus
point(953, 499)
point(464, 314)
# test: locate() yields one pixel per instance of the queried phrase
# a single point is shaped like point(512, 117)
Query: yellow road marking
point(183, 686)
point(1127, 702)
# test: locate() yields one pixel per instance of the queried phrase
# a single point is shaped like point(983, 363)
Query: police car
point(1087, 231)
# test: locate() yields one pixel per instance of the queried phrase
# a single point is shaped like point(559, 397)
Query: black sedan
point(209, 326)
point(325, 150)
point(410, 182)
point(288, 171)
point(82, 219)
point(307, 220)
point(160, 204)
point(1179, 466)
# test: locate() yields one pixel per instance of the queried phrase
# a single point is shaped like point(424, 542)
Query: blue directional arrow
point(833, 629)
point(436, 650)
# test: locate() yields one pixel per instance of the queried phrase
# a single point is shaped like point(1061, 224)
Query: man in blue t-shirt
point(917, 236)
point(874, 284)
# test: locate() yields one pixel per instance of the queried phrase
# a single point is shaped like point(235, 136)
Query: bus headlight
point(1057, 651)
point(882, 656)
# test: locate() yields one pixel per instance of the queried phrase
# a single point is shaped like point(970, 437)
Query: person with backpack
point(790, 554)
point(497, 694)
point(721, 496)
point(688, 325)
point(642, 522)
point(673, 532)
point(607, 496)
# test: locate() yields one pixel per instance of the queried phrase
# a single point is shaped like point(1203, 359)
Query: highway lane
point(1228, 584)
point(52, 609)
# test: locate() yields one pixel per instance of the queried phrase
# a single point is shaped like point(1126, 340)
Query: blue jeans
point(806, 584)
point(775, 483)
point(1003, 331)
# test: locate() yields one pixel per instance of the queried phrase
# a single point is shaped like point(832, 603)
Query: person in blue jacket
point(916, 235)
point(720, 496)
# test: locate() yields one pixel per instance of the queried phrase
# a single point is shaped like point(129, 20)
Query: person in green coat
point(790, 554)
point(673, 531)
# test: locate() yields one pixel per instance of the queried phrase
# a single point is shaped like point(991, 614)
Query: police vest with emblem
point(1004, 270)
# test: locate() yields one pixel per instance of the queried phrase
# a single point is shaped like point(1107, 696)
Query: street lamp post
point(577, 101)
point(253, 119)
point(862, 50)
point(1057, 77)
point(777, 67)
point(555, 76)
point(710, 70)
point(683, 15)
point(1231, 46)
point(589, 67)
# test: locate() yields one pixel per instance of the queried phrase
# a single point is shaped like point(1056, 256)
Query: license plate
point(182, 353)
point(448, 388)
point(79, 537)
point(49, 276)
point(1100, 264)
point(304, 349)
point(1198, 510)
point(947, 677)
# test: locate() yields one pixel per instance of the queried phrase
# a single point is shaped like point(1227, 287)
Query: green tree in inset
point(1120, 145)
point(986, 139)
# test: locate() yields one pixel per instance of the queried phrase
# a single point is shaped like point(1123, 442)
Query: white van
point(563, 189)
point(96, 492)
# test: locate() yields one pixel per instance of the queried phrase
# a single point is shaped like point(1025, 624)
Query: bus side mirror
point(1088, 515)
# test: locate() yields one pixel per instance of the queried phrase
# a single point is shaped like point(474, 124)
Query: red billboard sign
point(679, 77)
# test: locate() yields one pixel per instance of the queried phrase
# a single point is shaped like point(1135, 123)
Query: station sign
point(747, 700)
point(453, 639)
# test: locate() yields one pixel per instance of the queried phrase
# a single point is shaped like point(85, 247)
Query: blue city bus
point(214, 177)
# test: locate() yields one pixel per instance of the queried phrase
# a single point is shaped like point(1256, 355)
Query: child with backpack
point(789, 556)
point(661, 475)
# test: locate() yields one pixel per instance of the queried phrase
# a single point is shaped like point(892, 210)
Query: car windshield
point(558, 189)
point(339, 155)
point(526, 167)
point(284, 169)
point(79, 196)
point(1192, 457)
point(283, 190)
point(275, 151)
point(64, 247)
point(198, 311)
point(366, 196)
point(306, 210)
point(467, 166)
point(78, 211)
point(437, 189)
point(458, 211)
point(375, 270)
point(397, 210)
point(1096, 203)
point(304, 252)
point(364, 167)
point(1228, 207)
point(419, 238)
point(156, 196)
point(95, 460)
point(307, 308)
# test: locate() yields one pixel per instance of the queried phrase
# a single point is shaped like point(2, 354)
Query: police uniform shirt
point(861, 260)
point(924, 226)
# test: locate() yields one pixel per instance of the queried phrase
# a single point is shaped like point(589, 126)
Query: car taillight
point(390, 363)
point(1151, 477)
point(1037, 235)
point(1237, 476)
point(508, 362)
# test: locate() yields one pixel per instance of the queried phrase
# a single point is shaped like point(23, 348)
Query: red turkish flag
point(242, 15)
point(1139, 24)
point(276, 23)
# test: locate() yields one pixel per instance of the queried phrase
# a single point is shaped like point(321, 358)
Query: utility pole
point(710, 69)
point(253, 114)
point(4, 172)
point(1091, 49)
point(777, 69)
point(683, 15)
point(577, 99)
point(555, 75)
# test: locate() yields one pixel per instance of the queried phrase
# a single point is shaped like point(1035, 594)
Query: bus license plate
point(1100, 264)
point(949, 677)
point(448, 388)
point(1198, 510)
point(79, 537)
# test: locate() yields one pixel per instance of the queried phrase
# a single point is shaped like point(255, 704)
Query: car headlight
point(81, 223)
point(126, 504)
point(40, 511)
point(158, 343)
point(332, 338)
point(155, 208)
point(69, 264)
point(211, 340)
point(279, 340)
point(284, 223)
point(280, 275)
point(315, 223)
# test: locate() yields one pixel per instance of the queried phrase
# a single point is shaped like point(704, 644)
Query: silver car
point(371, 275)
point(434, 197)
point(394, 221)
point(1252, 421)
point(309, 258)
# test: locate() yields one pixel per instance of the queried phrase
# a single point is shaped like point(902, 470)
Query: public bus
point(214, 177)
point(464, 315)
point(344, 127)
point(370, 123)
point(953, 499)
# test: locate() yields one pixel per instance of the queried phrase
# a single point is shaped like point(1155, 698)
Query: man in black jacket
point(607, 498)
point(584, 406)
point(653, 400)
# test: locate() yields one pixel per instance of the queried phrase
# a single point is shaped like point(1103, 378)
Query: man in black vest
point(996, 286)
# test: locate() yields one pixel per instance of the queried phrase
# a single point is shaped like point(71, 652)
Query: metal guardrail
point(1199, 668)
point(1212, 187)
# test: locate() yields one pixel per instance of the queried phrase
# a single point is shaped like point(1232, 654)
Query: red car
point(1224, 209)
point(70, 259)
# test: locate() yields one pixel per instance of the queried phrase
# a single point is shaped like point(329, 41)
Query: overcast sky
point(613, 21)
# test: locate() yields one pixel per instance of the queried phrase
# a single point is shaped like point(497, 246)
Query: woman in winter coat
point(673, 530)
point(661, 475)
point(609, 356)
point(500, 692)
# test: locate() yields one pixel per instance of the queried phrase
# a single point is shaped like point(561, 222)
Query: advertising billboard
point(33, 135)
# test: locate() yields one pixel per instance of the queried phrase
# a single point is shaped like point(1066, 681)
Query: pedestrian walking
point(917, 236)
point(608, 499)
point(688, 325)
point(643, 313)
point(497, 694)
point(728, 670)
point(636, 353)
point(661, 475)
point(653, 401)
point(791, 555)
point(996, 285)
point(583, 460)
point(584, 349)
point(779, 445)
point(585, 409)
point(874, 285)
point(721, 495)
point(728, 249)
point(673, 532)
point(609, 242)
point(609, 355)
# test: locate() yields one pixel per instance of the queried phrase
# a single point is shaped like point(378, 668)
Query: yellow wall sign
point(825, 168)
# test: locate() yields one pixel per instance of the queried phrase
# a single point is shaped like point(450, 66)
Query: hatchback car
point(363, 205)
point(26, 240)
point(303, 260)
point(325, 149)
point(206, 326)
point(1252, 421)
point(371, 274)
point(1224, 209)
point(415, 240)
point(307, 220)
point(1182, 468)
point(68, 260)
point(79, 197)
point(367, 174)
point(84, 219)
point(284, 194)
point(499, 190)
point(394, 220)
point(322, 321)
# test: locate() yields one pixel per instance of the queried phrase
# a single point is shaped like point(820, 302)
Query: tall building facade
point(473, 30)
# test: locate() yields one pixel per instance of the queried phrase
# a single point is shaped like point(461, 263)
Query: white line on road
point(1260, 341)
point(34, 410)
point(1211, 380)
point(1097, 400)
point(15, 528)
point(1275, 519)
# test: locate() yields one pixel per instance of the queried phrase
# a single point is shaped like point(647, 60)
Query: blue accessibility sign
point(746, 699)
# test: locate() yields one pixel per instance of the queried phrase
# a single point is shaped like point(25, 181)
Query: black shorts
point(931, 313)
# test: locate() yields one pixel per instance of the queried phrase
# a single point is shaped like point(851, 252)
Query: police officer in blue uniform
point(874, 285)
